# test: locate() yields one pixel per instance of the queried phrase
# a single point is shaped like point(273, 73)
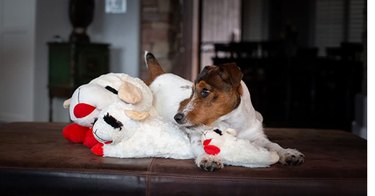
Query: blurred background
point(305, 62)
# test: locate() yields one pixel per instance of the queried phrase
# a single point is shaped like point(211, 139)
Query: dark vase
point(81, 14)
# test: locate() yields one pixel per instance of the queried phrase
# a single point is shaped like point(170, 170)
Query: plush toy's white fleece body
point(135, 138)
point(240, 152)
point(151, 137)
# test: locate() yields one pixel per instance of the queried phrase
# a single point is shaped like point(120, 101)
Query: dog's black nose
point(179, 118)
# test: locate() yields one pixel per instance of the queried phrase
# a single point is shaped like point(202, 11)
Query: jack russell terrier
point(217, 98)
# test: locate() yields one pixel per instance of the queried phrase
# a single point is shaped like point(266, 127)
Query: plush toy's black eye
point(114, 91)
point(112, 121)
point(218, 131)
point(205, 92)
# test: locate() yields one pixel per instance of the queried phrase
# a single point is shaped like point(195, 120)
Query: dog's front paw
point(209, 163)
point(291, 157)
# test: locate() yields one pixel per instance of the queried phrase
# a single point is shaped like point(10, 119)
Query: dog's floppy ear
point(231, 72)
point(129, 93)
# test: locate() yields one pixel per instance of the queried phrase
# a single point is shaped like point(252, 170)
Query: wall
point(51, 19)
point(161, 31)
point(156, 27)
point(221, 23)
point(17, 22)
point(120, 30)
point(329, 24)
point(254, 20)
point(170, 31)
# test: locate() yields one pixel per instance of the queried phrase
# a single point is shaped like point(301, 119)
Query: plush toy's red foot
point(75, 133)
point(90, 140)
point(97, 149)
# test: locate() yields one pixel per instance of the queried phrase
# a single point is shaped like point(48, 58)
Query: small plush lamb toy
point(234, 151)
point(88, 101)
point(135, 130)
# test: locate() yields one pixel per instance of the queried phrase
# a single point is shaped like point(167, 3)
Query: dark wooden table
point(36, 160)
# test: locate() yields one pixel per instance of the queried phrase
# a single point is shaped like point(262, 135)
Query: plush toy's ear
point(66, 104)
point(231, 132)
point(137, 115)
point(130, 93)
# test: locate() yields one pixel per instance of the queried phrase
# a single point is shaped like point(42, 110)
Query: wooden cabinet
point(74, 64)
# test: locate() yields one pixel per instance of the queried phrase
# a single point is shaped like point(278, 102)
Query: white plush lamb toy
point(234, 151)
point(88, 101)
point(135, 130)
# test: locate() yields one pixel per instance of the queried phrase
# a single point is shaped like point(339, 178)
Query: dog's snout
point(179, 118)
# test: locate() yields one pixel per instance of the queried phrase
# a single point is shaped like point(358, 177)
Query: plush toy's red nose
point(210, 149)
point(82, 109)
point(207, 142)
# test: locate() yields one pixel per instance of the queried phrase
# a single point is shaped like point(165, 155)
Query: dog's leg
point(196, 144)
point(209, 163)
point(204, 161)
point(287, 156)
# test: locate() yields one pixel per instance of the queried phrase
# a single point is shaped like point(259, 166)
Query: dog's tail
point(153, 66)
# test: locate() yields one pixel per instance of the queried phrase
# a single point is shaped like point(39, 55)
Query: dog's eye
point(205, 92)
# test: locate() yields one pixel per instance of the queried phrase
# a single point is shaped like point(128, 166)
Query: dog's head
point(216, 92)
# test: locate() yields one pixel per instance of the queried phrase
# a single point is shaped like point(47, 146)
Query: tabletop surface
point(330, 154)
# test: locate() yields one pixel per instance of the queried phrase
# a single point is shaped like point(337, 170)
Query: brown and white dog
point(217, 98)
